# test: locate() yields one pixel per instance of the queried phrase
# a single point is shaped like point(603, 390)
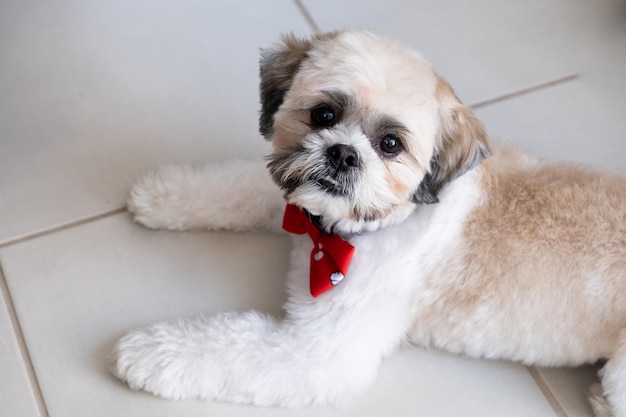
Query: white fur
point(325, 350)
point(181, 197)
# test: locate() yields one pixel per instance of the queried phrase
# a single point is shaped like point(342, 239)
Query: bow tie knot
point(331, 255)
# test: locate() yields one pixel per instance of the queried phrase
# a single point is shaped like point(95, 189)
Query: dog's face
point(363, 130)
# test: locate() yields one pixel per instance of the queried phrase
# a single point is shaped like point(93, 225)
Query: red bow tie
point(331, 254)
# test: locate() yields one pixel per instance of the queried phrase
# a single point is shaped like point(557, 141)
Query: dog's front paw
point(164, 199)
point(166, 361)
point(234, 195)
point(244, 358)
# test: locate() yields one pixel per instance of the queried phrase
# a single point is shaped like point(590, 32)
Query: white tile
point(570, 387)
point(79, 290)
point(582, 120)
point(94, 93)
point(16, 394)
point(429, 383)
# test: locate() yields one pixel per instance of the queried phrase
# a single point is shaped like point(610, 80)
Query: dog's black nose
point(343, 157)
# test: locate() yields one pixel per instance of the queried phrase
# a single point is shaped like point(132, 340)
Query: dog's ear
point(461, 145)
point(278, 65)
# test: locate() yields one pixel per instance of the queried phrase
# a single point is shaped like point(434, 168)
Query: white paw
point(234, 195)
point(160, 360)
point(239, 358)
point(202, 357)
point(164, 199)
point(151, 361)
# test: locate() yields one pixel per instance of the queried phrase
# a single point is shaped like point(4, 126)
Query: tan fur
point(463, 140)
point(541, 232)
point(398, 187)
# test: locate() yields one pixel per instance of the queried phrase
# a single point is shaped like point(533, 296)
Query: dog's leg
point(613, 384)
point(322, 355)
point(235, 195)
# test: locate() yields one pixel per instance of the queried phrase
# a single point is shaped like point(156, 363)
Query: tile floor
point(95, 93)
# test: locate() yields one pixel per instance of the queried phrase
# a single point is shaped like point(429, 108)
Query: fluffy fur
point(496, 256)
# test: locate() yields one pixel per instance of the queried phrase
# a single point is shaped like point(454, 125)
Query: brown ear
point(278, 65)
point(462, 144)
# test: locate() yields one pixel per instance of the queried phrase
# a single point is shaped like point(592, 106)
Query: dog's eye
point(390, 145)
point(322, 116)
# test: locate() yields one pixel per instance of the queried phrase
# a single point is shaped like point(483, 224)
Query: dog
point(408, 226)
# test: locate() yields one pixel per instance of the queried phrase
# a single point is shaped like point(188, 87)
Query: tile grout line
point(307, 16)
point(524, 91)
point(21, 342)
point(64, 226)
point(547, 392)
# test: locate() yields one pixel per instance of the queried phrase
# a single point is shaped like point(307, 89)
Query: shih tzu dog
point(408, 226)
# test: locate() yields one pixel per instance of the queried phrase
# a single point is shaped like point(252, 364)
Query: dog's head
point(363, 130)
